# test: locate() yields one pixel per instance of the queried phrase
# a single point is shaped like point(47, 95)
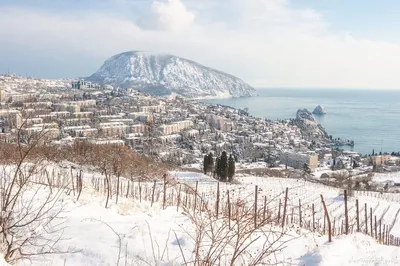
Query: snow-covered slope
point(162, 74)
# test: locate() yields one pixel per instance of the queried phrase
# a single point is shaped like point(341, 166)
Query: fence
point(284, 208)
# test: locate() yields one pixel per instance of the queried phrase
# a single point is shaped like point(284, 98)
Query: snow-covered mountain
point(163, 74)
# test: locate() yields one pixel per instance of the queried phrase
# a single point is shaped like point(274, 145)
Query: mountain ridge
point(163, 74)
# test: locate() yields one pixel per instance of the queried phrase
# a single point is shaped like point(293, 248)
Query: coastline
point(349, 114)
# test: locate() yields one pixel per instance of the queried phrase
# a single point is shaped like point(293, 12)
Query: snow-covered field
point(385, 177)
point(137, 232)
point(145, 236)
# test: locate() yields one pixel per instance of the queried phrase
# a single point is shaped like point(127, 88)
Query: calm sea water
point(369, 117)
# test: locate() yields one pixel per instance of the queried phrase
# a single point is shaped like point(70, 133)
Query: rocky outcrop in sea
point(309, 125)
point(319, 110)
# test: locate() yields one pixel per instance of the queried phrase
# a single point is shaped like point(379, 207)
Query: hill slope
point(162, 74)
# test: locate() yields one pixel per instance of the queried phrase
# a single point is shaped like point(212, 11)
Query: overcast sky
point(267, 43)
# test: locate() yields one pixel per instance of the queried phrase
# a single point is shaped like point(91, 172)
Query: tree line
point(222, 169)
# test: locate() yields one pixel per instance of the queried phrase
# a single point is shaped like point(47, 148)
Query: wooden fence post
point(179, 198)
point(346, 213)
point(217, 203)
point(279, 211)
point(265, 208)
point(152, 195)
point(357, 216)
point(284, 207)
point(366, 219)
point(313, 218)
point(292, 216)
point(370, 220)
point(165, 191)
point(195, 199)
point(255, 206)
point(383, 234)
point(229, 211)
point(329, 220)
point(301, 222)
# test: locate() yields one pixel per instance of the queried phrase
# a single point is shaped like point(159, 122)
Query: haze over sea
point(369, 117)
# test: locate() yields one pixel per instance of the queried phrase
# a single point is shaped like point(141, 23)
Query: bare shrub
point(30, 220)
point(240, 241)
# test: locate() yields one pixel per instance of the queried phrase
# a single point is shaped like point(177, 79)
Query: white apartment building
point(84, 103)
point(143, 117)
point(13, 118)
point(82, 114)
point(297, 160)
point(87, 132)
point(113, 129)
point(63, 114)
point(219, 122)
point(176, 127)
point(116, 142)
point(138, 128)
point(152, 109)
point(26, 97)
point(36, 105)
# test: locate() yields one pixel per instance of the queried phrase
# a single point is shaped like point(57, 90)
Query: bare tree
point(31, 221)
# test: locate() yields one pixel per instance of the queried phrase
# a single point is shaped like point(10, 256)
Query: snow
point(148, 235)
point(355, 250)
point(90, 231)
point(190, 177)
point(384, 177)
point(173, 74)
point(144, 234)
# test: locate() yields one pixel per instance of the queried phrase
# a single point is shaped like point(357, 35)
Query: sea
point(369, 117)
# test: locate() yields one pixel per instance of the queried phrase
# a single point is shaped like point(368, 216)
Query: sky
point(267, 43)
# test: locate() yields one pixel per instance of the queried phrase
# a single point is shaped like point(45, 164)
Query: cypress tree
point(223, 165)
point(205, 164)
point(210, 162)
point(217, 170)
point(231, 167)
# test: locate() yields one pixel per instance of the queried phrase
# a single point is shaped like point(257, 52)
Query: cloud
point(172, 15)
point(264, 42)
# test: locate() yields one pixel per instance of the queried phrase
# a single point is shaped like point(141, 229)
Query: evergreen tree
point(210, 163)
point(307, 169)
point(217, 171)
point(223, 166)
point(205, 164)
point(231, 168)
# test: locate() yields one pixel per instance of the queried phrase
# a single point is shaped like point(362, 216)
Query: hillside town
point(176, 130)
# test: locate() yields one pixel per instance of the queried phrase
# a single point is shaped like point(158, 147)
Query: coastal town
point(176, 130)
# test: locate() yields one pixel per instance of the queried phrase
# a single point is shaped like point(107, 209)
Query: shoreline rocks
point(319, 110)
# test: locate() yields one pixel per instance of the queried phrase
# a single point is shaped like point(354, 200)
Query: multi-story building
point(115, 142)
point(26, 97)
point(82, 115)
point(36, 105)
point(152, 109)
point(83, 84)
point(380, 159)
point(176, 127)
point(11, 118)
point(297, 160)
point(3, 94)
point(113, 129)
point(219, 122)
point(138, 129)
point(142, 117)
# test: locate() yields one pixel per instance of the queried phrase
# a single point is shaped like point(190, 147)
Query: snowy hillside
point(162, 74)
point(164, 223)
point(136, 232)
